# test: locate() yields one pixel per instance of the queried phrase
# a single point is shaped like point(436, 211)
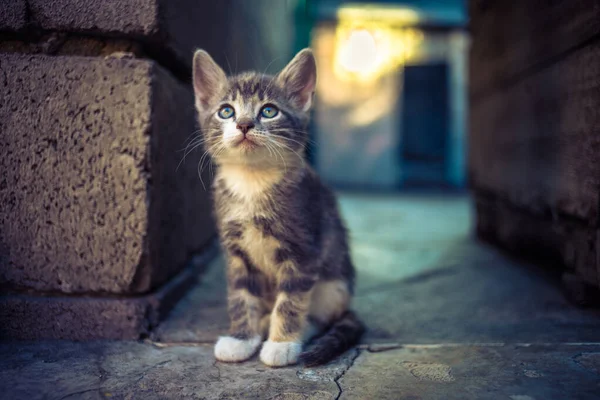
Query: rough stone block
point(540, 31)
point(537, 142)
point(175, 26)
point(91, 197)
point(33, 317)
point(132, 17)
point(13, 15)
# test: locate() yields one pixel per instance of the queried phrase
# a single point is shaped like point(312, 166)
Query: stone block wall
point(93, 201)
point(99, 222)
point(534, 161)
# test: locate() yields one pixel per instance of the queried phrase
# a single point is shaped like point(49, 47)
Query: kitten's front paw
point(230, 349)
point(279, 354)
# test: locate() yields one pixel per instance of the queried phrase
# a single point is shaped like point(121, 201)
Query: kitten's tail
point(343, 334)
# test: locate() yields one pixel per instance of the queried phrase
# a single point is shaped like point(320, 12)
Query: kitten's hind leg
point(329, 306)
point(330, 299)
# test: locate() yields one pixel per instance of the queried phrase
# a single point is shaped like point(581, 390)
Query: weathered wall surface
point(97, 222)
point(13, 15)
point(92, 198)
point(535, 129)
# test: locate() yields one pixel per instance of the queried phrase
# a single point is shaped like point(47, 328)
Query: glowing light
point(372, 41)
point(359, 52)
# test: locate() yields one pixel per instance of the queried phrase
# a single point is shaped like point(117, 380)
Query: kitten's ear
point(209, 80)
point(299, 79)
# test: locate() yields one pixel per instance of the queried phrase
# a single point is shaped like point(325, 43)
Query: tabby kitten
point(289, 271)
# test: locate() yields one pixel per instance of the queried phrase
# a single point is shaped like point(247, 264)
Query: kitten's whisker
point(265, 72)
point(267, 145)
point(293, 151)
point(190, 148)
point(261, 134)
point(308, 140)
point(283, 160)
point(199, 169)
point(268, 65)
point(194, 142)
point(198, 139)
point(228, 65)
point(187, 145)
point(192, 134)
point(195, 146)
point(219, 151)
point(271, 84)
point(191, 142)
point(271, 150)
point(281, 146)
point(288, 139)
point(299, 131)
point(206, 156)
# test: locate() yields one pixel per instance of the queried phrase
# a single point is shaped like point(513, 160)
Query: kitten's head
point(254, 118)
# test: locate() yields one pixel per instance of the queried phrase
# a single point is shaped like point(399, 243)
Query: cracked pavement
point(448, 318)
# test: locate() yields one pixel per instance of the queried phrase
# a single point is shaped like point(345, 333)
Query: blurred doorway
point(425, 125)
point(391, 105)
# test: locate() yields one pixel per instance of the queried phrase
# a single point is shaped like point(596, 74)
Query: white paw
point(279, 354)
point(230, 349)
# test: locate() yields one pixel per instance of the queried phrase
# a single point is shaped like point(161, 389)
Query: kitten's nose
point(245, 125)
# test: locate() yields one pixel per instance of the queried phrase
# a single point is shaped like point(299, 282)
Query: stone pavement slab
point(136, 370)
point(476, 372)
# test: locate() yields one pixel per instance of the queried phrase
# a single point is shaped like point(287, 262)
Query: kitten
point(289, 271)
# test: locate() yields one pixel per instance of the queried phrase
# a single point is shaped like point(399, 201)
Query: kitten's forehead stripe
point(253, 86)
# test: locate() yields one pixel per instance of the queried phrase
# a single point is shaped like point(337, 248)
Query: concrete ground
point(448, 318)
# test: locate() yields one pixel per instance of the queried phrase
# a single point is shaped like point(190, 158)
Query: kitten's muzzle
point(245, 125)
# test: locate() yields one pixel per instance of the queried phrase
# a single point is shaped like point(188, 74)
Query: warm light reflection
point(372, 41)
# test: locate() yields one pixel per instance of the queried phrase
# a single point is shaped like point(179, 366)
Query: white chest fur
point(249, 183)
point(249, 189)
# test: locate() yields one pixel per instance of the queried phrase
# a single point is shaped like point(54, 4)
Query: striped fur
point(288, 265)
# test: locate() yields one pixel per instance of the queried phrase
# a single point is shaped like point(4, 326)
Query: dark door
point(424, 124)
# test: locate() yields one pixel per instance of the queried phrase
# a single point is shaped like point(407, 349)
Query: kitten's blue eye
point(226, 112)
point(269, 112)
